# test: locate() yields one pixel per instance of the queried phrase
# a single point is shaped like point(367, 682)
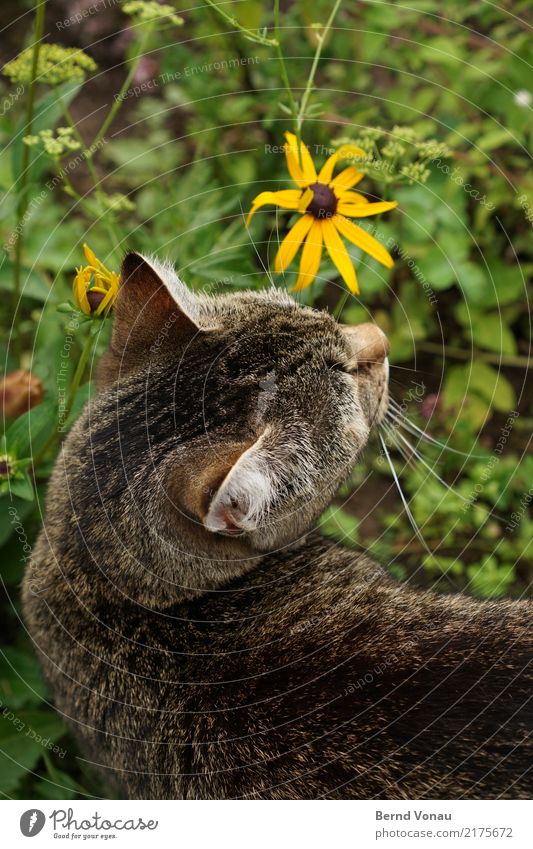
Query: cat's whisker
point(390, 436)
point(401, 420)
point(393, 433)
point(410, 516)
point(428, 467)
point(265, 268)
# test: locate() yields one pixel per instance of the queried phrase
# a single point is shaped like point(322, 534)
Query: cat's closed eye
point(347, 368)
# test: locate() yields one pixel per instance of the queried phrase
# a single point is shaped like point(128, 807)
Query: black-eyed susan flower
point(325, 203)
point(95, 287)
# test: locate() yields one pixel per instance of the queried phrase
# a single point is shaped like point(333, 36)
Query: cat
point(200, 637)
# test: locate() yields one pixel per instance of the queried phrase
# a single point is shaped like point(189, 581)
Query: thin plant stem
point(341, 303)
point(106, 214)
point(110, 117)
point(26, 154)
point(286, 83)
point(316, 59)
point(80, 368)
point(248, 33)
point(513, 360)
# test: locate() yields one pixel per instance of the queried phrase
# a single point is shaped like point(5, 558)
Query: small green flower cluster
point(56, 145)
point(56, 65)
point(118, 202)
point(433, 149)
point(394, 149)
point(402, 155)
point(415, 172)
point(146, 11)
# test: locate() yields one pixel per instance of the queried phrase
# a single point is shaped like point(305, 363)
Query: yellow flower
point(325, 203)
point(95, 287)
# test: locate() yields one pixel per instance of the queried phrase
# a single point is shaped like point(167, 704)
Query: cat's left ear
point(154, 311)
point(241, 500)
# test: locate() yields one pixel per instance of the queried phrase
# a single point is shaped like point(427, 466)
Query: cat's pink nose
point(369, 343)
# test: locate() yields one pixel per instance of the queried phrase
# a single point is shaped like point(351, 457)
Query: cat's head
point(248, 408)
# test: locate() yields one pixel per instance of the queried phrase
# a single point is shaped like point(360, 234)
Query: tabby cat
point(202, 640)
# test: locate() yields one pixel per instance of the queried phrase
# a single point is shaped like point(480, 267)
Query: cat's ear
point(154, 311)
point(241, 500)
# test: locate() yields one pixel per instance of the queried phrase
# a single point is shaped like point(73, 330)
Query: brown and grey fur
point(202, 640)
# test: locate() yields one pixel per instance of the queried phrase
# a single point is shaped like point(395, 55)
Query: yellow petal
point(347, 178)
point(304, 174)
point(91, 256)
point(287, 199)
point(365, 210)
point(326, 172)
point(346, 196)
point(345, 151)
point(106, 302)
point(305, 200)
point(338, 253)
point(292, 241)
point(363, 240)
point(311, 255)
point(79, 287)
point(114, 281)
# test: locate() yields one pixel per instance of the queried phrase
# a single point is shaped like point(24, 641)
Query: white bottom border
point(264, 825)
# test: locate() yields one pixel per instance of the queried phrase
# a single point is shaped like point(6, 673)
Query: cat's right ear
point(154, 311)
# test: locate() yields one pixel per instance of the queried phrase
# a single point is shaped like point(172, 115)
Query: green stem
point(26, 154)
point(248, 33)
point(110, 117)
point(341, 303)
point(316, 59)
point(105, 214)
point(285, 79)
point(482, 356)
point(80, 368)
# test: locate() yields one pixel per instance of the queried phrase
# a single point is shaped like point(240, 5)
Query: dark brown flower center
point(5, 468)
point(324, 203)
point(95, 299)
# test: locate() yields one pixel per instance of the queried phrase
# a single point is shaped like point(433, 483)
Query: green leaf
point(29, 432)
point(59, 786)
point(494, 139)
point(509, 283)
point(32, 284)
point(21, 682)
point(473, 282)
point(490, 579)
point(492, 386)
point(465, 384)
point(438, 270)
point(463, 400)
point(24, 736)
point(22, 487)
point(443, 565)
point(82, 396)
point(12, 512)
point(491, 332)
point(339, 525)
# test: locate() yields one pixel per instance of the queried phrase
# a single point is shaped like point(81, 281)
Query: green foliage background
point(189, 152)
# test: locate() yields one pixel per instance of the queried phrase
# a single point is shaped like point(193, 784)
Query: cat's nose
point(369, 343)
